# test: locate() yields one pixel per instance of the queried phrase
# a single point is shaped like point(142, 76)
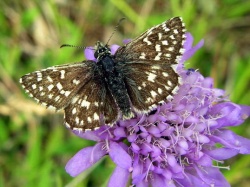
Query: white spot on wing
point(50, 87)
point(77, 120)
point(164, 42)
point(39, 76)
point(50, 96)
point(170, 83)
point(96, 117)
point(167, 87)
point(57, 98)
point(74, 100)
point(151, 77)
point(170, 48)
point(159, 36)
point(49, 79)
point(156, 67)
point(157, 47)
point(158, 57)
point(164, 26)
point(153, 93)
point(89, 119)
point(159, 90)
point(67, 125)
point(175, 90)
point(59, 86)
point(74, 111)
point(143, 56)
point(168, 55)
point(85, 104)
point(34, 86)
point(147, 41)
point(165, 74)
point(169, 97)
point(176, 31)
point(172, 37)
point(76, 81)
point(51, 108)
point(62, 74)
point(67, 93)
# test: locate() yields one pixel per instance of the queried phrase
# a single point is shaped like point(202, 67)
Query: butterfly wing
point(55, 86)
point(91, 107)
point(148, 85)
point(162, 43)
point(78, 89)
point(149, 64)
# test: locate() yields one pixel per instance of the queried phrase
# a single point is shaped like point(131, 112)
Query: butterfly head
point(101, 50)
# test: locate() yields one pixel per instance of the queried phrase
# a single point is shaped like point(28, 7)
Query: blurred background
point(34, 144)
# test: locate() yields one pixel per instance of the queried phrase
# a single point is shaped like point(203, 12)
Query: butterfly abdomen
point(115, 83)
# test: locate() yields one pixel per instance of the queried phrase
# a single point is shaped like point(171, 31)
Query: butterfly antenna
point(118, 24)
point(79, 47)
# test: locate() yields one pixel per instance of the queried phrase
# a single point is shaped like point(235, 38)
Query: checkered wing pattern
point(75, 88)
point(149, 63)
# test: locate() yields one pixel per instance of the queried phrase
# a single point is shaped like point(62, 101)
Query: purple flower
point(176, 144)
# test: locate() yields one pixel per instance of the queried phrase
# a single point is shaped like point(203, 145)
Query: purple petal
point(114, 48)
point(244, 144)
point(126, 41)
point(245, 111)
point(119, 177)
point(189, 41)
point(191, 181)
point(212, 176)
point(231, 140)
point(222, 153)
point(142, 184)
point(120, 132)
point(205, 160)
point(119, 156)
point(160, 181)
point(230, 114)
point(84, 159)
point(189, 51)
point(89, 53)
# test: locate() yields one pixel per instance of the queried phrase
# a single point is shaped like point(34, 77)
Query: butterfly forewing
point(162, 43)
point(55, 86)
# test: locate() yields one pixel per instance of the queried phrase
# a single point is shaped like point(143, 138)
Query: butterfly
point(140, 75)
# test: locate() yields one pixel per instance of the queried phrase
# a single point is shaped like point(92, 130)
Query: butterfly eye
point(96, 54)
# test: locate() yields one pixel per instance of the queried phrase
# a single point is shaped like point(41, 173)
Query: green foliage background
point(34, 144)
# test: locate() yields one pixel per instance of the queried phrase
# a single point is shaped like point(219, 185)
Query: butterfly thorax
point(113, 78)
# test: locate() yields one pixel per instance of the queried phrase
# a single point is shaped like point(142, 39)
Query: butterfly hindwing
point(91, 107)
point(149, 85)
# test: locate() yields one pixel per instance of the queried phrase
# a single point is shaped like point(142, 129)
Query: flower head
point(174, 145)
